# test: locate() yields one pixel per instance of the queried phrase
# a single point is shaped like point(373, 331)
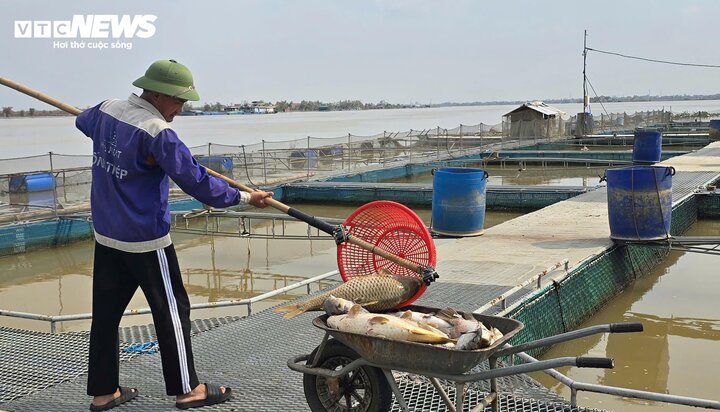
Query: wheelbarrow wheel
point(363, 390)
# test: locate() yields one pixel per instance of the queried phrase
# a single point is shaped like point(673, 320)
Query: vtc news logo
point(91, 26)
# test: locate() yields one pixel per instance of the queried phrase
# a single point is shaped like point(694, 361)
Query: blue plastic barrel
point(640, 202)
point(36, 182)
point(458, 201)
point(303, 159)
point(647, 147)
point(220, 164)
point(714, 131)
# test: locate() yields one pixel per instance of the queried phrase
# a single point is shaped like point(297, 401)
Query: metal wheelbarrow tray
point(357, 369)
point(422, 357)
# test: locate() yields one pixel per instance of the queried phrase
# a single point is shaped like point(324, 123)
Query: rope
point(247, 172)
point(630, 256)
point(556, 288)
point(632, 193)
point(145, 347)
point(211, 211)
point(660, 203)
point(194, 213)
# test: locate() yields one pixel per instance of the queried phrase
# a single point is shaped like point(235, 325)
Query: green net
point(564, 305)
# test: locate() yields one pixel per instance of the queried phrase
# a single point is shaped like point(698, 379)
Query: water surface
point(677, 352)
point(58, 281)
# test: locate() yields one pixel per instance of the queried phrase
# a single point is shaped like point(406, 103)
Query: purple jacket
point(134, 153)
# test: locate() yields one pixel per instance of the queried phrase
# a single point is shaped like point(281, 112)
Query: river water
point(677, 302)
point(58, 281)
point(36, 136)
point(677, 351)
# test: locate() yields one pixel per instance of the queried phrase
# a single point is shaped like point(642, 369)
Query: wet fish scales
point(386, 326)
point(373, 292)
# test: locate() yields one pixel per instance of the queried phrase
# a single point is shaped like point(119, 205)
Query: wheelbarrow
point(353, 372)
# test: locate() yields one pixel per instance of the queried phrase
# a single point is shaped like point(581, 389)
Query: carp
point(374, 292)
point(386, 326)
point(338, 306)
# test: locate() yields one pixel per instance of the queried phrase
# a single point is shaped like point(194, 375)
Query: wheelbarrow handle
point(626, 327)
point(567, 336)
point(595, 362)
point(295, 363)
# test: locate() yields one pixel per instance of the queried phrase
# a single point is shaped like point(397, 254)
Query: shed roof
point(538, 106)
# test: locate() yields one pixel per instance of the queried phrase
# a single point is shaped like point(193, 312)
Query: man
point(135, 152)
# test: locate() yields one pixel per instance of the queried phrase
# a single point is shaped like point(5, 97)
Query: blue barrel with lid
point(458, 201)
point(714, 131)
point(35, 182)
point(647, 147)
point(304, 158)
point(640, 202)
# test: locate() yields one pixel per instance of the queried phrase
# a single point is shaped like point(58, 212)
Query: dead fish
point(386, 326)
point(460, 323)
point(478, 339)
point(424, 318)
point(374, 292)
point(338, 306)
point(469, 341)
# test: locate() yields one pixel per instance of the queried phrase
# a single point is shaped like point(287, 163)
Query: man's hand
point(257, 198)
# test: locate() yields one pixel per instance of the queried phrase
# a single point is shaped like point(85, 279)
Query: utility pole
point(586, 101)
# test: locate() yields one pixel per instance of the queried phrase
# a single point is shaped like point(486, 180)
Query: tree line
point(306, 106)
point(316, 105)
point(280, 106)
point(7, 111)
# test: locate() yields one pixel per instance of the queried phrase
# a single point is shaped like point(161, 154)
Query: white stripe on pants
point(172, 305)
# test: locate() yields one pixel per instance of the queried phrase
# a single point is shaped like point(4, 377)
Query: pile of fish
point(447, 327)
point(352, 307)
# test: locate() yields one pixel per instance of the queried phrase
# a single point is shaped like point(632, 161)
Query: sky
point(399, 51)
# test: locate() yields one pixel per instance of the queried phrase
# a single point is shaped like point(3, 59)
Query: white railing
point(54, 319)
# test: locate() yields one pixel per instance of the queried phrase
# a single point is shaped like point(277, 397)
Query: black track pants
point(117, 275)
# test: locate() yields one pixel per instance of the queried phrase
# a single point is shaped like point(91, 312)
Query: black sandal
point(126, 395)
point(214, 396)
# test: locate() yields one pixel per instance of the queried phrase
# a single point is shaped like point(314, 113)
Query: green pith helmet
point(169, 77)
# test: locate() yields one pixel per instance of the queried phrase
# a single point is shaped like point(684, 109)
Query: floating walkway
point(49, 228)
point(418, 194)
point(558, 259)
point(575, 230)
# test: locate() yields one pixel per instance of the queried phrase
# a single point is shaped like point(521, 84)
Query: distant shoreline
point(9, 113)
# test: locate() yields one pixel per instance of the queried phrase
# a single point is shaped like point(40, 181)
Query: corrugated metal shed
point(535, 119)
point(540, 107)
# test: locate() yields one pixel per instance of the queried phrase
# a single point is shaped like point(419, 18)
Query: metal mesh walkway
point(31, 361)
point(421, 396)
point(247, 354)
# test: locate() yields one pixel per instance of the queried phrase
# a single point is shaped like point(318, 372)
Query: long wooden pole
point(311, 220)
point(40, 96)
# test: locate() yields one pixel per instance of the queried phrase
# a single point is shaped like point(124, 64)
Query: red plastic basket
point(394, 228)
